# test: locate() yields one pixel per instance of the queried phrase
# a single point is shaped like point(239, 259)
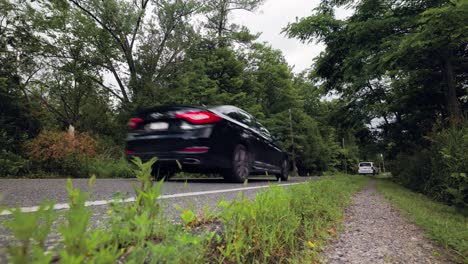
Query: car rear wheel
point(284, 175)
point(241, 164)
point(160, 172)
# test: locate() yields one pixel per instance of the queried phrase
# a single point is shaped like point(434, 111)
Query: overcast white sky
point(272, 17)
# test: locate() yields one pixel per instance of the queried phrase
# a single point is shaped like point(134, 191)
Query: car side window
point(264, 131)
point(244, 118)
point(261, 129)
point(241, 116)
point(232, 113)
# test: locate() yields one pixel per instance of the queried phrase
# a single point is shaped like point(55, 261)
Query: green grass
point(109, 168)
point(383, 175)
point(442, 223)
point(286, 224)
point(101, 167)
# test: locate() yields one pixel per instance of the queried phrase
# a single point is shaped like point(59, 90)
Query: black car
point(221, 139)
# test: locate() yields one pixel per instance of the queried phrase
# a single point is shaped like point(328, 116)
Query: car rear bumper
point(193, 154)
point(200, 162)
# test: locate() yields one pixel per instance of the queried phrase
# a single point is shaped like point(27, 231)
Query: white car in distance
point(367, 168)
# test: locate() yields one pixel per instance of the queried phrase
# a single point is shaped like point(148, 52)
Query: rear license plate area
point(157, 126)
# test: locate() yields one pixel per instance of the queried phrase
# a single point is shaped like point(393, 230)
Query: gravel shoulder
point(375, 232)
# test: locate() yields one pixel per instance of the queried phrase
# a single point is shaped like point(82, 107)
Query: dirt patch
point(374, 232)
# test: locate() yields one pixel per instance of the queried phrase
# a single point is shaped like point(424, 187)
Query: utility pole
point(292, 145)
point(344, 155)
point(383, 162)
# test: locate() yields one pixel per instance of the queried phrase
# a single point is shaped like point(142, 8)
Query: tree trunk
point(222, 23)
point(294, 166)
point(453, 106)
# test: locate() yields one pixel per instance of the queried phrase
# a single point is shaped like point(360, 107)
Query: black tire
point(240, 165)
point(284, 175)
point(159, 173)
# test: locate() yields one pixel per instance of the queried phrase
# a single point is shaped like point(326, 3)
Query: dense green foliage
point(442, 223)
point(403, 66)
point(439, 171)
point(281, 224)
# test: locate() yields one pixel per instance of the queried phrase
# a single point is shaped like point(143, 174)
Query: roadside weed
point(179, 247)
point(285, 224)
point(74, 228)
point(30, 231)
point(192, 220)
point(128, 230)
point(135, 223)
point(188, 216)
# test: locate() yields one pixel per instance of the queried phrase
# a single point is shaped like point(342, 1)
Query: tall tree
point(18, 67)
point(130, 44)
point(218, 12)
point(440, 33)
point(396, 61)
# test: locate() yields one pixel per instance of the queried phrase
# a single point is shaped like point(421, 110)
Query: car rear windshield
point(365, 164)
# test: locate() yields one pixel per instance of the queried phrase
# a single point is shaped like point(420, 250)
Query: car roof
point(224, 106)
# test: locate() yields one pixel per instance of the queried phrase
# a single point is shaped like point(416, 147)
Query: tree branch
point(137, 26)
point(119, 82)
point(119, 41)
point(107, 88)
point(53, 109)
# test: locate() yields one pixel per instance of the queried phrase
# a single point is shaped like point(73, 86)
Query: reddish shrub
point(61, 152)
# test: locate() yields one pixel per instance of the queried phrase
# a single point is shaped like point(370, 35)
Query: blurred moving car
point(222, 139)
point(367, 168)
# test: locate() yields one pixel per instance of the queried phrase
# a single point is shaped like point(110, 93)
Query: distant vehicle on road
point(367, 168)
point(222, 139)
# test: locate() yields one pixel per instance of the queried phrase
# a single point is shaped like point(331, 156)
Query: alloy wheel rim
point(285, 167)
point(241, 162)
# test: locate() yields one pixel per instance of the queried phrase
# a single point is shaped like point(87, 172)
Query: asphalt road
point(30, 192)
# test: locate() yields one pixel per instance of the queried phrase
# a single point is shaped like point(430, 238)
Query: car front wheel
point(284, 175)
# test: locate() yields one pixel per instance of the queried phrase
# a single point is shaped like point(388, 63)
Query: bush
point(108, 148)
point(110, 168)
point(449, 160)
point(61, 152)
point(412, 170)
point(12, 164)
point(78, 156)
point(439, 171)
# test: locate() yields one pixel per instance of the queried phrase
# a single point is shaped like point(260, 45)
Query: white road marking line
point(62, 206)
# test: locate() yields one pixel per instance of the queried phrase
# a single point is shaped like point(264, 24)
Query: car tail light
point(134, 122)
point(129, 152)
point(195, 150)
point(199, 117)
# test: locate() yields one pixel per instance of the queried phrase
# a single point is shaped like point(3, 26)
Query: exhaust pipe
point(191, 161)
